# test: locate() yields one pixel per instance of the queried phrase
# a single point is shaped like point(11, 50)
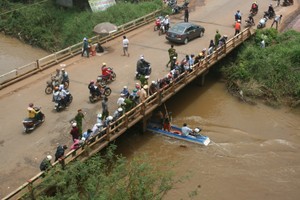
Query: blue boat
point(176, 133)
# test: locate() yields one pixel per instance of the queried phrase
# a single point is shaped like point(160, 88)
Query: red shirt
point(105, 71)
point(237, 26)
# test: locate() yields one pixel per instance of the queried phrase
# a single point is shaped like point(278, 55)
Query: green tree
point(108, 177)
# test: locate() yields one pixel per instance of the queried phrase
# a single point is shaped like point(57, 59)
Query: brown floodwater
point(14, 54)
point(254, 152)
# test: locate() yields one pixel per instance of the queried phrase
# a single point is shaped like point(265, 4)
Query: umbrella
point(105, 27)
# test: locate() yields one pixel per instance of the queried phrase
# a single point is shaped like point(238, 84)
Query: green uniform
point(78, 118)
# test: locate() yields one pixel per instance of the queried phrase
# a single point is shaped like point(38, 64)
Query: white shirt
point(186, 130)
point(120, 101)
point(125, 42)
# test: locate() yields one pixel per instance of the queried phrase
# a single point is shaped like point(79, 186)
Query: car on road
point(183, 32)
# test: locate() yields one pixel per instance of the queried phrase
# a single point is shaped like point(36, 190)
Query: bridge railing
point(117, 128)
point(57, 57)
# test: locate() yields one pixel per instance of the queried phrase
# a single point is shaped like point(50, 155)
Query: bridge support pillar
point(145, 121)
point(201, 79)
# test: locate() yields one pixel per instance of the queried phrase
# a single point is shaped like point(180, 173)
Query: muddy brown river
point(254, 152)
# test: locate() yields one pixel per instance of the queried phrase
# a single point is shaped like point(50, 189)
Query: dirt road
point(21, 153)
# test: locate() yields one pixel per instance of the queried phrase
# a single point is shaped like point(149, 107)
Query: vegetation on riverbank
point(53, 28)
point(108, 177)
point(271, 73)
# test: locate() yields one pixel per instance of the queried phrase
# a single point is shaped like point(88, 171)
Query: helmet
point(125, 87)
point(109, 118)
point(135, 90)
point(146, 77)
point(49, 157)
point(239, 20)
point(120, 109)
point(31, 105)
point(92, 81)
point(56, 88)
point(104, 64)
point(174, 57)
point(84, 39)
point(153, 82)
point(98, 125)
point(145, 87)
point(63, 69)
point(197, 130)
point(99, 116)
point(167, 16)
point(74, 124)
point(142, 57)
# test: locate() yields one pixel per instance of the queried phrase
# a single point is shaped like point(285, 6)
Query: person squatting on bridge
point(60, 152)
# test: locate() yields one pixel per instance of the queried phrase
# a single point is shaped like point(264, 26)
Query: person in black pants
point(186, 14)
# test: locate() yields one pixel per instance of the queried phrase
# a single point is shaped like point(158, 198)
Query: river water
point(14, 54)
point(254, 152)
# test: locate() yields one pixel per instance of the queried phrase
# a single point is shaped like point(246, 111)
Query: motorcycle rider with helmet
point(271, 11)
point(63, 94)
point(142, 66)
point(32, 113)
point(64, 76)
point(166, 22)
point(254, 7)
point(94, 88)
point(106, 72)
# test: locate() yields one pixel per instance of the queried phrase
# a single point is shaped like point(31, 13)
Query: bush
point(275, 68)
point(107, 177)
point(53, 28)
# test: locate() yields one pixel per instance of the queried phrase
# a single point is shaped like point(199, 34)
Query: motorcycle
point(249, 23)
point(177, 9)
point(59, 105)
point(104, 80)
point(262, 22)
point(162, 30)
point(145, 71)
point(30, 124)
point(158, 23)
point(269, 15)
point(53, 83)
point(288, 2)
point(96, 96)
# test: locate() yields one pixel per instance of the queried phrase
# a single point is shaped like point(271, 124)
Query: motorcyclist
point(32, 113)
point(166, 22)
point(63, 95)
point(94, 90)
point(125, 91)
point(56, 96)
point(58, 76)
point(271, 10)
point(106, 72)
point(142, 66)
point(64, 76)
point(251, 19)
point(254, 7)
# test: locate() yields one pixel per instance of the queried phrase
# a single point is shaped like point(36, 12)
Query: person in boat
point(196, 132)
point(185, 130)
point(167, 124)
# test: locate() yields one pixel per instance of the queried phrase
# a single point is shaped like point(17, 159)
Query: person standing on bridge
point(172, 54)
point(85, 48)
point(186, 14)
point(237, 27)
point(217, 38)
point(78, 118)
point(105, 112)
point(75, 132)
point(276, 21)
point(125, 46)
point(60, 152)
